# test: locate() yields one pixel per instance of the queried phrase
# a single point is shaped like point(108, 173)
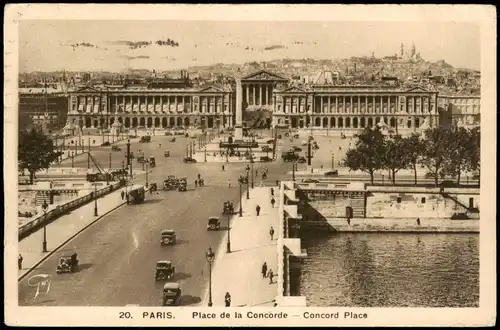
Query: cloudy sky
point(46, 45)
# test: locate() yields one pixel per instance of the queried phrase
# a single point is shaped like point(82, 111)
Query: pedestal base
point(238, 132)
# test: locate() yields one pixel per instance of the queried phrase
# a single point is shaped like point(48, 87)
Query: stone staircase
point(358, 206)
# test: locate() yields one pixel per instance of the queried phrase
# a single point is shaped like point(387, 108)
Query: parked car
point(297, 149)
point(270, 141)
point(266, 159)
point(310, 181)
point(266, 149)
point(106, 144)
point(145, 139)
point(116, 148)
point(332, 173)
point(189, 160)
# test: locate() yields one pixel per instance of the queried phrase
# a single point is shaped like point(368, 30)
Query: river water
point(391, 270)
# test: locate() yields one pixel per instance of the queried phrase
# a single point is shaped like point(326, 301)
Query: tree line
point(443, 151)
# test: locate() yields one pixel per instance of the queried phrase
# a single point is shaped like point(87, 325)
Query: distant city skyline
point(83, 45)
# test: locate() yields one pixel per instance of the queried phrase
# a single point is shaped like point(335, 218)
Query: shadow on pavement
point(84, 266)
point(181, 241)
point(180, 276)
point(189, 300)
point(255, 247)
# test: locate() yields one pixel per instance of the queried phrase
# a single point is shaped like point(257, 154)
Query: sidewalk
point(62, 229)
point(239, 272)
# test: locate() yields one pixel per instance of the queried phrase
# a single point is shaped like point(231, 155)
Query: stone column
point(199, 104)
point(254, 101)
point(161, 103)
point(247, 93)
point(238, 128)
point(176, 105)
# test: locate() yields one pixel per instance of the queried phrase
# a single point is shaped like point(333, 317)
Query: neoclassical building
point(142, 107)
point(353, 107)
point(319, 105)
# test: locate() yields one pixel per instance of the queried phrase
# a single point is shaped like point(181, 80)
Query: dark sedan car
point(332, 173)
point(310, 181)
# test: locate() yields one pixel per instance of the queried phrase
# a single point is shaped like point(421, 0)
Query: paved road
point(118, 253)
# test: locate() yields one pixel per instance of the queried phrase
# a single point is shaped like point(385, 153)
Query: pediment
point(293, 89)
point(211, 89)
point(418, 90)
point(89, 89)
point(264, 75)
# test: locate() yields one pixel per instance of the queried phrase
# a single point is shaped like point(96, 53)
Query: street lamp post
point(95, 200)
point(248, 192)
point(147, 170)
point(293, 171)
point(228, 235)
point(72, 159)
point(210, 256)
point(44, 243)
point(205, 153)
point(241, 210)
point(251, 163)
point(333, 160)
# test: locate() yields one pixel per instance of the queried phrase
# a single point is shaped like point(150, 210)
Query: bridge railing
point(45, 218)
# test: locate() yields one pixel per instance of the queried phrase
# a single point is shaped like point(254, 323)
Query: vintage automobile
point(152, 161)
point(189, 160)
point(183, 184)
point(296, 136)
point(136, 194)
point(67, 264)
point(270, 141)
point(266, 159)
point(266, 148)
point(301, 160)
point(289, 156)
point(171, 183)
point(297, 149)
point(213, 223)
point(105, 144)
point(145, 139)
point(172, 139)
point(166, 153)
point(310, 181)
point(168, 237)
point(116, 148)
point(171, 294)
point(164, 270)
point(332, 173)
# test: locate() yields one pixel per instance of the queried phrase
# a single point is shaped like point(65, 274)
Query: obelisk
point(238, 127)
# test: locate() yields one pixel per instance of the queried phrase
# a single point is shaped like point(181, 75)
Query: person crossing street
point(272, 202)
point(257, 209)
point(264, 270)
point(271, 232)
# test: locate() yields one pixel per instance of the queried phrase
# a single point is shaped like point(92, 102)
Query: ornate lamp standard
point(228, 245)
point(294, 164)
point(95, 200)
point(210, 258)
point(147, 170)
point(251, 163)
point(72, 159)
point(240, 180)
point(333, 160)
point(44, 243)
point(246, 181)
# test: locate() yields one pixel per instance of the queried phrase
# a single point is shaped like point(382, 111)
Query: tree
point(414, 148)
point(435, 148)
point(36, 152)
point(463, 152)
point(394, 157)
point(368, 153)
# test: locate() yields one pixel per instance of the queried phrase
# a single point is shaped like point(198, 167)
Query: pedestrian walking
point(222, 168)
point(196, 183)
point(20, 262)
point(229, 183)
point(264, 270)
point(271, 232)
point(227, 299)
point(123, 194)
point(272, 191)
point(277, 183)
point(258, 210)
point(418, 221)
point(271, 275)
point(272, 202)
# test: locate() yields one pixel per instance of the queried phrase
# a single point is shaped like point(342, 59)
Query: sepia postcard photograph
point(244, 165)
